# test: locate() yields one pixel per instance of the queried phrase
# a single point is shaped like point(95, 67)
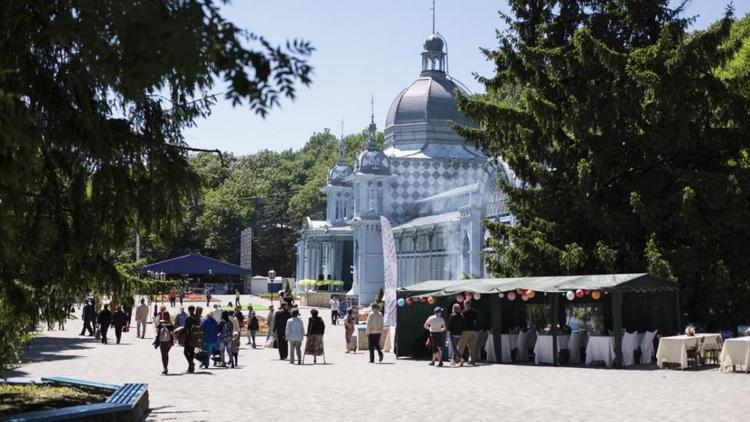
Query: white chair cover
point(647, 347)
point(628, 349)
point(522, 344)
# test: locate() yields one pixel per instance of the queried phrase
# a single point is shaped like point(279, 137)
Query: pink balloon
point(459, 298)
point(524, 298)
point(511, 295)
point(579, 293)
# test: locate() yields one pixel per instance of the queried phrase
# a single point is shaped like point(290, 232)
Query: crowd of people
point(461, 329)
point(214, 335)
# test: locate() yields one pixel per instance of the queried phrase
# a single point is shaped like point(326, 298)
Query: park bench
point(128, 402)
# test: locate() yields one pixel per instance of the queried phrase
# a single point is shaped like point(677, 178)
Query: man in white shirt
point(334, 309)
point(141, 315)
point(435, 324)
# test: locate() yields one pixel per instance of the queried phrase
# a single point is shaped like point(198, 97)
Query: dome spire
point(433, 16)
point(433, 57)
point(342, 145)
point(373, 129)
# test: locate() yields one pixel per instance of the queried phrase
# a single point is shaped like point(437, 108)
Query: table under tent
point(623, 301)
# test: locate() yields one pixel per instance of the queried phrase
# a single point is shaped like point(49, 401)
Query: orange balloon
point(596, 294)
point(530, 294)
point(431, 300)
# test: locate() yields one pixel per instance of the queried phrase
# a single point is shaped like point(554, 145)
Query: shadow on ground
point(46, 349)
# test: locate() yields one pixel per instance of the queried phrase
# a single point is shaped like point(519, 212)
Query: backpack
point(226, 331)
point(165, 335)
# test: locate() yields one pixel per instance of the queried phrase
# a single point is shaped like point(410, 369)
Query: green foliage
point(94, 95)
point(631, 134)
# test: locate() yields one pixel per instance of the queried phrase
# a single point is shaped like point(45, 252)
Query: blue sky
point(362, 48)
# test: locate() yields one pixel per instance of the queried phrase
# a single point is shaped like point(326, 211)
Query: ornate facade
point(434, 187)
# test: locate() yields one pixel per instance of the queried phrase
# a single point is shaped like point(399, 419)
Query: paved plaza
point(350, 387)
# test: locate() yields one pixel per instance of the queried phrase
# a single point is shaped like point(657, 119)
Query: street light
point(271, 278)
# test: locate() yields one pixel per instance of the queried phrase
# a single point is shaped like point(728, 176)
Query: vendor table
point(600, 349)
point(673, 349)
point(507, 343)
point(736, 352)
point(543, 347)
point(576, 343)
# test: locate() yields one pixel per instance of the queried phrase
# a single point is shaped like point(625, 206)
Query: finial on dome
point(373, 129)
point(433, 57)
point(342, 146)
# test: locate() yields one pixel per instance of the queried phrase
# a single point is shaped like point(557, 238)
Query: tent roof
point(641, 282)
point(196, 265)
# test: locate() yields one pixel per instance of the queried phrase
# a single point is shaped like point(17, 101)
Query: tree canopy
point(94, 95)
point(631, 135)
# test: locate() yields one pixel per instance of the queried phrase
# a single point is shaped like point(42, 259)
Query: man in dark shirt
point(189, 351)
point(87, 315)
point(119, 320)
point(280, 319)
point(468, 335)
point(104, 319)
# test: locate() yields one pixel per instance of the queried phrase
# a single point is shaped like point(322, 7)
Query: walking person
point(294, 333)
point(435, 324)
point(226, 336)
point(240, 316)
point(88, 316)
point(270, 322)
point(235, 349)
point(166, 340)
point(141, 316)
point(105, 320)
point(280, 319)
point(173, 297)
point(350, 323)
point(119, 321)
point(252, 327)
point(455, 327)
point(373, 332)
point(468, 335)
point(207, 291)
point(181, 294)
point(179, 320)
point(334, 302)
point(191, 338)
point(315, 330)
point(237, 297)
point(210, 329)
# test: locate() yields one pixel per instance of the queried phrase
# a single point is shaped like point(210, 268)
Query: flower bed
point(22, 398)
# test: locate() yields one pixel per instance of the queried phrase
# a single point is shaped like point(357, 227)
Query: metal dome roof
point(338, 174)
point(430, 98)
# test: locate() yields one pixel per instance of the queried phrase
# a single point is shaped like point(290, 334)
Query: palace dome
point(338, 174)
point(430, 98)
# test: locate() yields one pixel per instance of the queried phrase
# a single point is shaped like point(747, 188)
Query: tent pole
point(496, 313)
point(679, 314)
point(617, 322)
point(555, 305)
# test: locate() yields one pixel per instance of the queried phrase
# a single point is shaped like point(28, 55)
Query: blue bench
point(127, 402)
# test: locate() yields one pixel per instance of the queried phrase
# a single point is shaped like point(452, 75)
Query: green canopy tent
point(636, 301)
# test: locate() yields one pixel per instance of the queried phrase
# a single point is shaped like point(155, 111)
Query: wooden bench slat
point(65, 413)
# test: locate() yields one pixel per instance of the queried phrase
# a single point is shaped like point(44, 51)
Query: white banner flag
point(390, 269)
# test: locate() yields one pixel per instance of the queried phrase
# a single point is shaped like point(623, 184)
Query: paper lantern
point(511, 296)
point(477, 296)
point(409, 301)
point(431, 300)
point(570, 295)
point(401, 302)
point(423, 299)
point(579, 293)
point(530, 294)
point(525, 298)
point(501, 295)
point(596, 295)
point(459, 298)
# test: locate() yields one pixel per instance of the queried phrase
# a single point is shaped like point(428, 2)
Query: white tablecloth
point(600, 349)
point(736, 352)
point(673, 349)
point(543, 347)
point(508, 343)
point(577, 341)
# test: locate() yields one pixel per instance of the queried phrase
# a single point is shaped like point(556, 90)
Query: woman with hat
point(435, 324)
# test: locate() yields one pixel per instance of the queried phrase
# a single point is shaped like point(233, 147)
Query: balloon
point(519, 291)
point(431, 300)
point(459, 298)
point(501, 295)
point(525, 298)
point(409, 301)
point(401, 302)
point(570, 295)
point(530, 294)
point(423, 299)
point(596, 294)
point(511, 296)
point(579, 293)
point(477, 296)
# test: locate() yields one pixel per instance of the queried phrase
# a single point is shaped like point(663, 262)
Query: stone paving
point(350, 387)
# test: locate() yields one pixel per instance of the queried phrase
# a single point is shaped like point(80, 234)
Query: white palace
point(434, 187)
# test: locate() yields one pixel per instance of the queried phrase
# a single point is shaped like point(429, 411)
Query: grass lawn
point(15, 399)
point(257, 307)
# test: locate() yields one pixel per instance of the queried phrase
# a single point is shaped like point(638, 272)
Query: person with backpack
point(226, 336)
point(166, 340)
point(252, 327)
point(105, 320)
point(191, 340)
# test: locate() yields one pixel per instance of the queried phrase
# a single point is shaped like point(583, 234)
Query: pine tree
point(632, 149)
